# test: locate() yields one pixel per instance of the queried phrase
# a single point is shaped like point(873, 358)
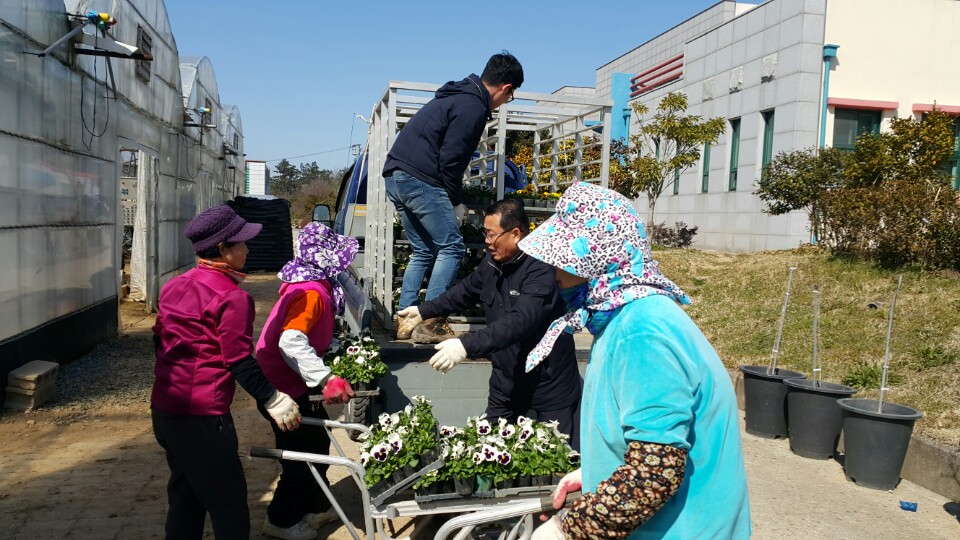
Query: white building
point(258, 178)
point(762, 68)
point(82, 152)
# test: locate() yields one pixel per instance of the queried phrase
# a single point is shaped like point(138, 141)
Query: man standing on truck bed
point(520, 298)
point(423, 174)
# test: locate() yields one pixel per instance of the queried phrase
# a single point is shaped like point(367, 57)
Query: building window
point(676, 181)
point(705, 182)
point(734, 152)
point(952, 166)
point(767, 141)
point(207, 118)
point(145, 44)
point(236, 142)
point(848, 124)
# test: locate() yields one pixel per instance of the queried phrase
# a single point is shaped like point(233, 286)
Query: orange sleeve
point(303, 312)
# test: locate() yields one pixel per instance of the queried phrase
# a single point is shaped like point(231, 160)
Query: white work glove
point(408, 319)
point(573, 481)
point(550, 530)
point(284, 411)
point(450, 353)
point(460, 211)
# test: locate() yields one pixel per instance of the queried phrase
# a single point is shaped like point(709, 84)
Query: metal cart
point(511, 515)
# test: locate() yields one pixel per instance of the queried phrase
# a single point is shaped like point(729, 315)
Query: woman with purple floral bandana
point(660, 441)
point(290, 351)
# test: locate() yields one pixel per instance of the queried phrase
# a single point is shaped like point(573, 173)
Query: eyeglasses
point(511, 96)
point(492, 237)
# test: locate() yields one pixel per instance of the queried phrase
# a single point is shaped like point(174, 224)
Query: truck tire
point(357, 411)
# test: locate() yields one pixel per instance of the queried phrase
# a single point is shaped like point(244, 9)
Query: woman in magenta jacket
point(204, 346)
point(290, 351)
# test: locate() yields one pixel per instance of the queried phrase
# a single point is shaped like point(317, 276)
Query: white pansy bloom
point(523, 420)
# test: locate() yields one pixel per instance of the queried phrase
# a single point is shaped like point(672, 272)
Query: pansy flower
point(489, 452)
point(503, 458)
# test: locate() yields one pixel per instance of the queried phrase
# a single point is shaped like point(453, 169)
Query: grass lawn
point(737, 303)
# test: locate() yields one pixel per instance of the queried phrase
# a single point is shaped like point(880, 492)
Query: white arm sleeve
point(297, 352)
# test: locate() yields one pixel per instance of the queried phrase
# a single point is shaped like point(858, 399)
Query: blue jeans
point(427, 216)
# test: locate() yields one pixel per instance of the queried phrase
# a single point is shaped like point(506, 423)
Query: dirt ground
point(86, 465)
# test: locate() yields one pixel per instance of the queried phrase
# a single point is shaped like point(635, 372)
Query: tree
point(797, 180)
point(666, 145)
point(913, 150)
point(285, 178)
point(309, 172)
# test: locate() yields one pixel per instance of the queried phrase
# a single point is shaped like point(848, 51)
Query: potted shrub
point(764, 392)
point(813, 414)
point(876, 434)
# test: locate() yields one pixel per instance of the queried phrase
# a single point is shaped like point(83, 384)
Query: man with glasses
point(423, 175)
point(520, 299)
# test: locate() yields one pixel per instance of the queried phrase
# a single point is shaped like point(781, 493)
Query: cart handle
point(269, 453)
point(309, 421)
point(546, 502)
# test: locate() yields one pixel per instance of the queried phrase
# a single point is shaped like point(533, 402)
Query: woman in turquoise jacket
point(660, 440)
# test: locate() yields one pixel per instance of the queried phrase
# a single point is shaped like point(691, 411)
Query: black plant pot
point(523, 481)
point(464, 486)
point(428, 457)
point(814, 417)
point(766, 400)
point(542, 480)
point(379, 488)
point(507, 483)
point(875, 443)
point(529, 203)
point(432, 489)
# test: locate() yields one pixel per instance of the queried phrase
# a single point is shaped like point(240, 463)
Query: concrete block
point(25, 400)
point(33, 374)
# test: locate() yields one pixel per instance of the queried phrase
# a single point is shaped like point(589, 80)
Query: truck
point(569, 136)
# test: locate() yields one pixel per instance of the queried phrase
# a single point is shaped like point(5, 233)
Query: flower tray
point(523, 491)
point(382, 491)
point(498, 493)
point(422, 498)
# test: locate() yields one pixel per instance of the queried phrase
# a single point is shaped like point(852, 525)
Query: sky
point(300, 70)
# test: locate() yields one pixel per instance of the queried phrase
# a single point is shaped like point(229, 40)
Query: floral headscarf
point(321, 254)
point(596, 234)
